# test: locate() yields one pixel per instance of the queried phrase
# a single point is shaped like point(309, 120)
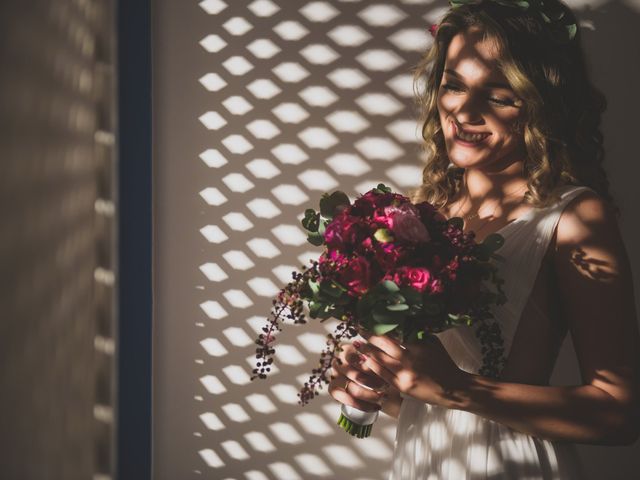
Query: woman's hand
point(351, 379)
point(423, 370)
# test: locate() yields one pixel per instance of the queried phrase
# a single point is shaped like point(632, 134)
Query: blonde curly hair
point(562, 109)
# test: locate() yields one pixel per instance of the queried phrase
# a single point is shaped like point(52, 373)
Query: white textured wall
point(259, 108)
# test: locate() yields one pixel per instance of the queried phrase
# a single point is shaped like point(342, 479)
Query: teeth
point(470, 137)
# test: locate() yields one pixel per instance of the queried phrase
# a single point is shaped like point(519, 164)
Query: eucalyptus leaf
point(390, 286)
point(411, 295)
point(314, 286)
point(311, 220)
point(382, 328)
point(383, 235)
point(382, 188)
point(329, 203)
point(315, 308)
point(398, 307)
point(315, 239)
point(493, 242)
point(383, 316)
point(323, 227)
point(332, 289)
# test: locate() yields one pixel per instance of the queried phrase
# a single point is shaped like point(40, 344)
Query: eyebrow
point(488, 84)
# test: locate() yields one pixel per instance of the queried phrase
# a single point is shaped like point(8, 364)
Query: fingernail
point(357, 343)
point(362, 358)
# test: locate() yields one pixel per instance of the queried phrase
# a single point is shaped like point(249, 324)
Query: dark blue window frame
point(133, 448)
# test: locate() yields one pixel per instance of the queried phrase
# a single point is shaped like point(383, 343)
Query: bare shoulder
point(587, 217)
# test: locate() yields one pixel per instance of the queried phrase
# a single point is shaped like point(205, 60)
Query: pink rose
point(416, 277)
point(408, 227)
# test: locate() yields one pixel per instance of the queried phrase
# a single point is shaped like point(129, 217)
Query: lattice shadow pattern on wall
point(305, 98)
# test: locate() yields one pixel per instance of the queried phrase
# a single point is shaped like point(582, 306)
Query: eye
point(449, 86)
point(504, 102)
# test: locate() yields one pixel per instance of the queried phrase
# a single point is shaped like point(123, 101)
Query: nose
point(467, 110)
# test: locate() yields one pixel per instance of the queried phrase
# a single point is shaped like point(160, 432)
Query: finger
point(364, 393)
point(390, 346)
point(381, 357)
point(347, 350)
point(382, 371)
point(358, 373)
point(346, 398)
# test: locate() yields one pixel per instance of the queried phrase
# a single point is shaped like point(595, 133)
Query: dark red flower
point(356, 277)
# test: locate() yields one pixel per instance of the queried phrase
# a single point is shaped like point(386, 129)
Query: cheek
point(446, 103)
point(508, 124)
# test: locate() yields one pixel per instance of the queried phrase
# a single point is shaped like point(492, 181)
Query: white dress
point(437, 443)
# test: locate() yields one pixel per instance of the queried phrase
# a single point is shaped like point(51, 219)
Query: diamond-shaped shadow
point(212, 7)
point(263, 48)
point(263, 88)
point(349, 35)
point(290, 30)
point(382, 15)
point(319, 11)
point(237, 26)
point(262, 168)
point(263, 8)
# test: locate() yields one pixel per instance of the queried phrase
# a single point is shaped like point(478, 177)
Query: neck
point(479, 185)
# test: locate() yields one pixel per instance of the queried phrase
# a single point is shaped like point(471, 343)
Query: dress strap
point(522, 255)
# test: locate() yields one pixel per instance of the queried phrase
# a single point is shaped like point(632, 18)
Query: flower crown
point(550, 14)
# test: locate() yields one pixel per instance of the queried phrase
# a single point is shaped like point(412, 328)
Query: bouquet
point(390, 267)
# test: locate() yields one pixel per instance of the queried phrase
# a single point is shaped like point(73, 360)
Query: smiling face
point(479, 112)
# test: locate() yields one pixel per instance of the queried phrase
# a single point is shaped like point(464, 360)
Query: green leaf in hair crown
point(549, 14)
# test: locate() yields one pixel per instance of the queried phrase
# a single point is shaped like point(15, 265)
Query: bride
point(511, 127)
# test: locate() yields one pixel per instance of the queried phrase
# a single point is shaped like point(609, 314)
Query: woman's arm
point(596, 290)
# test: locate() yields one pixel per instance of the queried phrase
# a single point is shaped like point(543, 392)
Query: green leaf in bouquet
point(329, 203)
point(381, 188)
point(459, 319)
point(383, 235)
point(323, 227)
point(332, 289)
point(411, 295)
point(315, 308)
point(390, 286)
point(383, 316)
point(493, 242)
point(396, 298)
point(315, 239)
point(383, 328)
point(398, 307)
point(311, 220)
point(366, 322)
point(456, 222)
point(314, 286)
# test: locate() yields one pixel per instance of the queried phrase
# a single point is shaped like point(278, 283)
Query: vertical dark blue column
point(134, 239)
